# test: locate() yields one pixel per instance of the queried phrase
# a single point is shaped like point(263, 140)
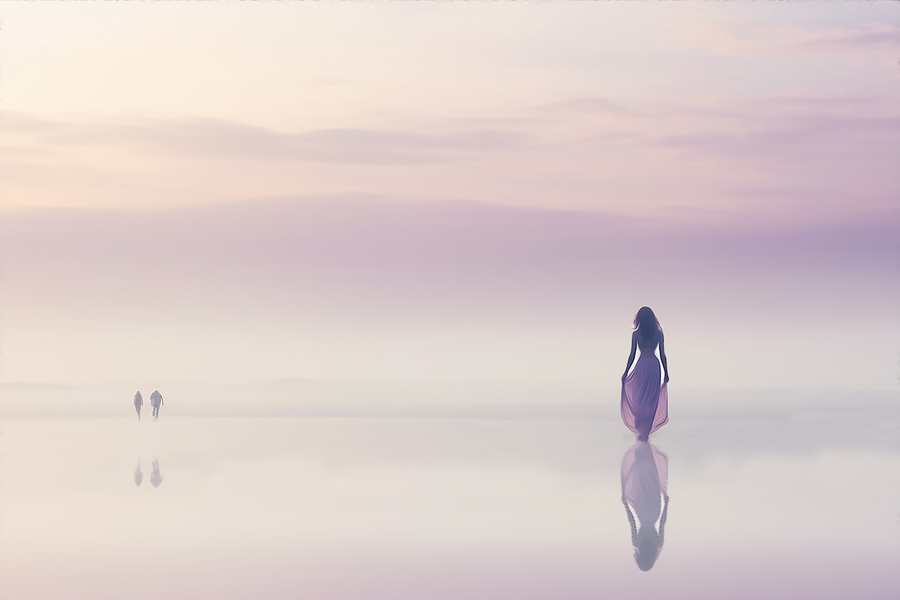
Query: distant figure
point(138, 475)
point(644, 491)
point(156, 400)
point(645, 404)
point(138, 403)
point(155, 475)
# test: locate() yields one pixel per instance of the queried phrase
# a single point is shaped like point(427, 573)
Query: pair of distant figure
point(156, 400)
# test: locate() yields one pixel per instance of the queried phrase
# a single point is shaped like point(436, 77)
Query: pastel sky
point(243, 191)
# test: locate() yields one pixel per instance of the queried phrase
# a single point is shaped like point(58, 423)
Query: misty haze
point(449, 301)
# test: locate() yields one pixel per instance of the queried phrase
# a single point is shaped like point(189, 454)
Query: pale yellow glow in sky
point(605, 106)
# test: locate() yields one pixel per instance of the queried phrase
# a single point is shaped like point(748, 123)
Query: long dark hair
point(646, 323)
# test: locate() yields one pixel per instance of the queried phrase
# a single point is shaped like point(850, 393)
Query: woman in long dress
point(645, 403)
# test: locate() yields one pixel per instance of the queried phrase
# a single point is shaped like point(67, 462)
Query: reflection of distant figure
point(156, 400)
point(138, 475)
point(645, 404)
point(644, 489)
point(138, 403)
point(155, 475)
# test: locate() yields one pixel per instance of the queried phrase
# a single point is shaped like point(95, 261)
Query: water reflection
point(645, 497)
point(155, 475)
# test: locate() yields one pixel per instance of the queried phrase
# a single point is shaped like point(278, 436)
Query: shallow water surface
point(793, 503)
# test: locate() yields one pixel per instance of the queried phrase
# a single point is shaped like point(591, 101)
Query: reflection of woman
point(644, 492)
point(645, 404)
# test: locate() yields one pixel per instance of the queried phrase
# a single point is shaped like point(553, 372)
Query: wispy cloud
point(874, 36)
point(746, 31)
point(591, 105)
point(585, 153)
point(212, 138)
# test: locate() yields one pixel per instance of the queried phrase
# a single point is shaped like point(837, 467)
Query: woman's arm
point(631, 356)
point(662, 356)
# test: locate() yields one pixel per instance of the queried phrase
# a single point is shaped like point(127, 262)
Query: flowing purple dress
point(645, 404)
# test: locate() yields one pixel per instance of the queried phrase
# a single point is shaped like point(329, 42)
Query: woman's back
point(644, 401)
point(648, 344)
